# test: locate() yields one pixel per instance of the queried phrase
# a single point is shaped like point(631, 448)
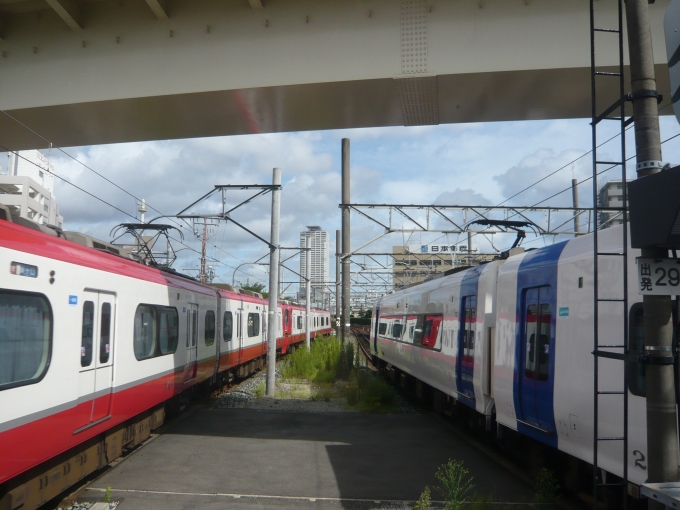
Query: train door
point(536, 347)
point(95, 381)
point(191, 365)
point(466, 346)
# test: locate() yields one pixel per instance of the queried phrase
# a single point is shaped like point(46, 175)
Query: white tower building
point(27, 187)
point(319, 261)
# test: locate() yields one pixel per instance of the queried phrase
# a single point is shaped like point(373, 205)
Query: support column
point(338, 297)
point(308, 293)
point(272, 316)
point(346, 249)
point(662, 441)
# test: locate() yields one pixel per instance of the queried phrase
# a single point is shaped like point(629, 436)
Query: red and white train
point(94, 346)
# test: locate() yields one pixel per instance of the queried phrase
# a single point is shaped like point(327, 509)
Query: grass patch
point(260, 389)
point(368, 392)
point(320, 364)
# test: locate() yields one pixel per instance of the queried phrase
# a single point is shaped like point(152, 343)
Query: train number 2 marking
point(639, 459)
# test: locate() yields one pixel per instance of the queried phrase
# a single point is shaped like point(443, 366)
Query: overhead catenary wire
point(116, 208)
point(56, 147)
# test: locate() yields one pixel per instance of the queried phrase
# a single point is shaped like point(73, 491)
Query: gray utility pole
point(346, 249)
point(338, 299)
point(272, 319)
point(574, 196)
point(308, 291)
point(662, 442)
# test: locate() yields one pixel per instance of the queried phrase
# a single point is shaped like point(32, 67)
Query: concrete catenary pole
point(308, 292)
point(574, 197)
point(469, 248)
point(338, 298)
point(662, 442)
point(272, 315)
point(346, 249)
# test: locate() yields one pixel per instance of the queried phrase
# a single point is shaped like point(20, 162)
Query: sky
point(456, 164)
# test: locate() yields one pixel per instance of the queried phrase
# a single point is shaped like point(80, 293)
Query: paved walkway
point(243, 459)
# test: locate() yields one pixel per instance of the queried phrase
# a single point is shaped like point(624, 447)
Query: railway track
point(362, 335)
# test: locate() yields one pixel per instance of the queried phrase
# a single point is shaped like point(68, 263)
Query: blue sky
point(463, 164)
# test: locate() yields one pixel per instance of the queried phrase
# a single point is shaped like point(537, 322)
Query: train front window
point(25, 338)
point(87, 334)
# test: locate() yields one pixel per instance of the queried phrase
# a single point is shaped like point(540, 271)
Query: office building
point(27, 187)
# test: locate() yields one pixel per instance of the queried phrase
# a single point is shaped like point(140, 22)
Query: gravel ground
point(243, 396)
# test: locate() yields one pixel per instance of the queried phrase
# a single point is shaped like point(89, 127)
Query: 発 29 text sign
point(658, 276)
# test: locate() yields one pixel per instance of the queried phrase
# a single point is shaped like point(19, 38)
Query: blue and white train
point(513, 340)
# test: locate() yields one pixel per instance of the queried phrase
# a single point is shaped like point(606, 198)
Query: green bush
point(369, 392)
point(456, 484)
point(320, 364)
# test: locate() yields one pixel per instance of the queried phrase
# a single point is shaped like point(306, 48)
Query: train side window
point(253, 324)
point(396, 331)
point(419, 330)
point(105, 333)
point(87, 335)
point(227, 326)
point(168, 329)
point(144, 338)
point(382, 328)
point(636, 347)
point(209, 331)
point(25, 338)
point(299, 322)
point(287, 314)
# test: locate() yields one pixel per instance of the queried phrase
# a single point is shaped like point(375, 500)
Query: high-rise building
point(27, 187)
point(611, 195)
point(319, 259)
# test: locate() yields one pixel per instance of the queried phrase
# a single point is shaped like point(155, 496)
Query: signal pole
point(662, 443)
point(338, 299)
point(346, 270)
point(272, 319)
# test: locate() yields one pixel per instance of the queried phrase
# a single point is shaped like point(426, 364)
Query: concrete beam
point(68, 14)
point(256, 4)
point(158, 9)
point(343, 69)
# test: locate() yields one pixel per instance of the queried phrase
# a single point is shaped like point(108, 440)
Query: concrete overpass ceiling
point(83, 72)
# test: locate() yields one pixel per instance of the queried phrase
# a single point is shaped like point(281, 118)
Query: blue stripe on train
point(533, 396)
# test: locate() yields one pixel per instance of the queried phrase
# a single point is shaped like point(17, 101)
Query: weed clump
point(260, 389)
point(424, 501)
point(456, 484)
point(546, 489)
point(367, 392)
point(320, 364)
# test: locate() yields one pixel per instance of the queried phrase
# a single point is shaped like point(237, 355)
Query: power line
point(69, 182)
